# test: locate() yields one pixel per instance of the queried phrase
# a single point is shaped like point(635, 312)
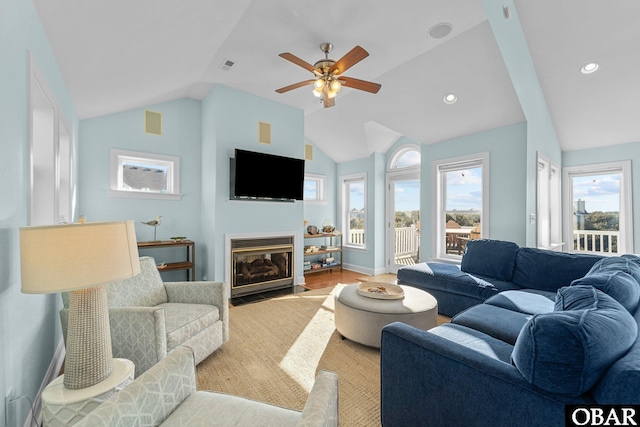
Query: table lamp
point(81, 258)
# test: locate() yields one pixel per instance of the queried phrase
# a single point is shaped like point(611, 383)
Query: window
point(598, 208)
point(354, 202)
point(144, 175)
point(406, 157)
point(50, 154)
point(549, 210)
point(462, 203)
point(314, 188)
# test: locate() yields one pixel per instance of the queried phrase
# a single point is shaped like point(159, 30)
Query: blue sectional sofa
point(492, 266)
point(521, 356)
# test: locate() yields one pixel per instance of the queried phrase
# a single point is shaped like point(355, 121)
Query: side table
point(64, 407)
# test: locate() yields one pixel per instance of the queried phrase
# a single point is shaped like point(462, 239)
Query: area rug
point(276, 349)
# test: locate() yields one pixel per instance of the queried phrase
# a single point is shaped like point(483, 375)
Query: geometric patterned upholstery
point(149, 318)
point(166, 395)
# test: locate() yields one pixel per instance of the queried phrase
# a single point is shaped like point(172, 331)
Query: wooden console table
point(189, 264)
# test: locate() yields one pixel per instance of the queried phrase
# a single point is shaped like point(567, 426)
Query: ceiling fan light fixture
point(335, 86)
point(318, 84)
point(317, 93)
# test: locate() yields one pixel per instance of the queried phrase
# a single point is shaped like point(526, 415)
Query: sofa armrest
point(152, 397)
point(425, 376)
point(321, 409)
point(138, 334)
point(202, 292)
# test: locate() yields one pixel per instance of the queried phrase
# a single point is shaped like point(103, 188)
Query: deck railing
point(407, 240)
point(601, 242)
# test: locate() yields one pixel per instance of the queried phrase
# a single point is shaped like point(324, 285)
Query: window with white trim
point(144, 175)
point(461, 203)
point(314, 188)
point(597, 210)
point(353, 208)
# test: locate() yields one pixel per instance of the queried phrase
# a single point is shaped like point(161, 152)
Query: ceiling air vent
point(264, 133)
point(226, 65)
point(152, 122)
point(308, 152)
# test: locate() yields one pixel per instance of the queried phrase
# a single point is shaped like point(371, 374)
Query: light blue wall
point(507, 199)
point(541, 134)
point(235, 116)
point(317, 212)
point(181, 136)
point(614, 153)
point(29, 325)
point(371, 259)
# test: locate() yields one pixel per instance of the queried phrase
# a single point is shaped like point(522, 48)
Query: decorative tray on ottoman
point(380, 290)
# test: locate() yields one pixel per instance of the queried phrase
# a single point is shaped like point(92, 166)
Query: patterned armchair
point(149, 318)
point(166, 395)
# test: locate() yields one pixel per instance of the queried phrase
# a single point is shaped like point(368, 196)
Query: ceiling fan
point(328, 74)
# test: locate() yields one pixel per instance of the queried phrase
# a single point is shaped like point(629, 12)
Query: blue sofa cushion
point(622, 263)
point(617, 284)
point(568, 350)
point(490, 258)
point(527, 301)
point(494, 321)
point(549, 270)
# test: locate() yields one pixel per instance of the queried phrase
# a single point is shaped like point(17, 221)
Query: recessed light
point(450, 98)
point(440, 31)
point(589, 68)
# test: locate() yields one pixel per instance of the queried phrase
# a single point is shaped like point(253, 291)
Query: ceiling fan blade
point(302, 63)
point(294, 86)
point(352, 57)
point(360, 84)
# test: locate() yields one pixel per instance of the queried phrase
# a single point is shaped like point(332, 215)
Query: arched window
point(405, 157)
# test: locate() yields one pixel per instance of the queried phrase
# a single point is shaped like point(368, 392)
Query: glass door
point(403, 225)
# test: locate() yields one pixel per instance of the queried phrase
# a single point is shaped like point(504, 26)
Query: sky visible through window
point(407, 196)
point(464, 189)
point(599, 192)
point(356, 195)
point(310, 189)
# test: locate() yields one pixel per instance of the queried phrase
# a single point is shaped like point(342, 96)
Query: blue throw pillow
point(489, 258)
point(568, 350)
point(617, 284)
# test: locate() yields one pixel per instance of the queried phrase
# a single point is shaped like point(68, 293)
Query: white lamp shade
point(62, 258)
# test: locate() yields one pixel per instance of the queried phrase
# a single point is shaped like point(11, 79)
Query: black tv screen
point(266, 176)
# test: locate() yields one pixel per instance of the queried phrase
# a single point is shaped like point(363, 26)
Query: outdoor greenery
point(602, 221)
point(465, 220)
point(407, 219)
point(356, 224)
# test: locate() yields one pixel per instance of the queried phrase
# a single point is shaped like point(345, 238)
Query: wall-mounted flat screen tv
point(261, 176)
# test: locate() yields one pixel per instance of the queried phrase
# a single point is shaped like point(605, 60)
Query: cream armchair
point(166, 395)
point(149, 318)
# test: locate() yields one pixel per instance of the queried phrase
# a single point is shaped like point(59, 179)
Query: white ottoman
point(361, 319)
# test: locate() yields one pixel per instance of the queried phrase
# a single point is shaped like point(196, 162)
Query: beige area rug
point(276, 349)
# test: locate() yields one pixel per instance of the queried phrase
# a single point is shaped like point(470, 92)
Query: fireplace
point(259, 264)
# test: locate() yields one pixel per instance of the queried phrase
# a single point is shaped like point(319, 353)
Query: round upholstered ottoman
point(361, 319)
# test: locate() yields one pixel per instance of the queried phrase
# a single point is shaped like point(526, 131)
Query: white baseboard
point(50, 375)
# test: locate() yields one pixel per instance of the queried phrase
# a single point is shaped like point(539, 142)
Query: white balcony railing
point(407, 241)
point(601, 242)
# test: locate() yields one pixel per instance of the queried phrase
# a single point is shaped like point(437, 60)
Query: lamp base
point(89, 358)
point(64, 407)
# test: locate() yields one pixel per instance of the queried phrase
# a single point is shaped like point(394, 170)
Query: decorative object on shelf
point(312, 229)
point(154, 223)
point(178, 238)
point(81, 258)
point(327, 227)
point(188, 263)
point(380, 290)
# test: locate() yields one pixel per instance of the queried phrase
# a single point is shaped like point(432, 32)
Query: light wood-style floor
point(326, 279)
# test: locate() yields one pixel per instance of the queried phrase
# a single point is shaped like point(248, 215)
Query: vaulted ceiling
point(121, 54)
